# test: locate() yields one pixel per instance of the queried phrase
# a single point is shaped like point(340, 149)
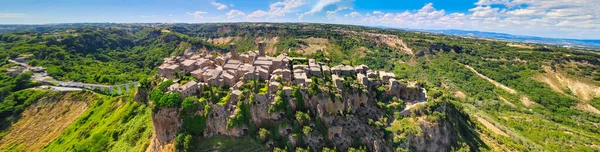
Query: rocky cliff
point(166, 123)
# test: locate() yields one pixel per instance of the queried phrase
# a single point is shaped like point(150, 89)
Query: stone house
point(232, 65)
point(300, 78)
point(189, 65)
point(211, 73)
point(168, 70)
point(362, 79)
point(326, 70)
point(386, 76)
point(281, 61)
point(262, 73)
point(361, 69)
point(188, 89)
point(229, 79)
point(339, 81)
point(273, 87)
point(234, 97)
point(264, 61)
point(197, 74)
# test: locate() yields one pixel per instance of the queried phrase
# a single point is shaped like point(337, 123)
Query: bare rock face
point(141, 95)
point(405, 92)
point(166, 126)
point(260, 109)
point(216, 123)
point(435, 137)
point(354, 101)
point(314, 140)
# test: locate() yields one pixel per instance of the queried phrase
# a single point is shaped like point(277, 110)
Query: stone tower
point(261, 48)
point(233, 51)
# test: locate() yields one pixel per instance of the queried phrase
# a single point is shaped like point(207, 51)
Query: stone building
point(168, 70)
point(339, 81)
point(189, 65)
point(188, 89)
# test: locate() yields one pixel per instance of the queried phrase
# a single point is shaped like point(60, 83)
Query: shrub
point(164, 85)
point(170, 100)
point(190, 105)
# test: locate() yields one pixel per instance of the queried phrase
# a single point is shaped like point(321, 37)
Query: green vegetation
point(12, 106)
point(103, 55)
point(110, 124)
point(596, 103)
point(222, 143)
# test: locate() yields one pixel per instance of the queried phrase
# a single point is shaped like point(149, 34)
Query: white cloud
point(219, 6)
point(235, 13)
point(524, 12)
point(333, 14)
point(279, 9)
point(12, 15)
point(197, 14)
point(353, 14)
point(258, 14)
point(319, 7)
point(550, 18)
point(486, 11)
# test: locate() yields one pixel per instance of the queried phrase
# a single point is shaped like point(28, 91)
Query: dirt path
point(499, 85)
point(506, 101)
point(460, 94)
point(526, 101)
point(490, 126)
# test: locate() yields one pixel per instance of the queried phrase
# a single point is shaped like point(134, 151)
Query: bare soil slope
point(45, 120)
point(563, 84)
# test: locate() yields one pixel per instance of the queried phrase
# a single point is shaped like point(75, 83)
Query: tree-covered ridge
point(105, 56)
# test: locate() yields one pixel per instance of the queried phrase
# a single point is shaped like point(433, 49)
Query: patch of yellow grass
point(314, 44)
point(460, 94)
point(519, 45)
point(221, 40)
point(560, 82)
point(526, 101)
point(43, 121)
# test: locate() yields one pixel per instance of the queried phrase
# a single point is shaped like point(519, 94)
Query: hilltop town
point(303, 83)
point(231, 69)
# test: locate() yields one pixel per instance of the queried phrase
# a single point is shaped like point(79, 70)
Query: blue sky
point(547, 18)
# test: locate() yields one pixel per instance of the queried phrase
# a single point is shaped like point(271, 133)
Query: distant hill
point(595, 44)
point(523, 39)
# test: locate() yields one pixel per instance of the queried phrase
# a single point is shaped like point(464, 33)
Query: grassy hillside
point(53, 110)
point(76, 121)
point(109, 124)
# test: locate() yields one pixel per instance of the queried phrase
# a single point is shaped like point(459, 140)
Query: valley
point(287, 86)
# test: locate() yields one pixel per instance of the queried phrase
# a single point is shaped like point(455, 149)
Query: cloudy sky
point(547, 18)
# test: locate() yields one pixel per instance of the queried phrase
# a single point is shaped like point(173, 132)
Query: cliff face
point(166, 125)
point(345, 119)
point(141, 95)
point(435, 137)
point(216, 123)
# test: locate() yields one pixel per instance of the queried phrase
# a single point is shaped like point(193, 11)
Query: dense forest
point(492, 95)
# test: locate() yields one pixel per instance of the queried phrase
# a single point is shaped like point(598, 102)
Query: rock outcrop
point(166, 125)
